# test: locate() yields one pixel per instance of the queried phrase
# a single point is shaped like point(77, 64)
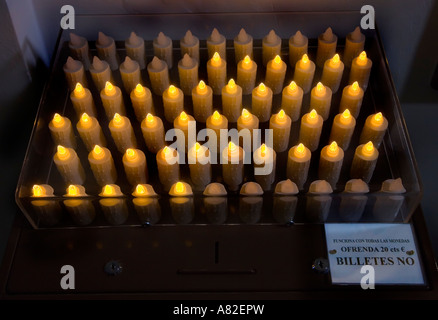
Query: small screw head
point(113, 268)
point(320, 265)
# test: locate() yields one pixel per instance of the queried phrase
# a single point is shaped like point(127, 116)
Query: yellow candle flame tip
point(73, 190)
point(109, 190)
point(38, 191)
point(333, 149)
point(180, 187)
point(109, 89)
point(140, 189)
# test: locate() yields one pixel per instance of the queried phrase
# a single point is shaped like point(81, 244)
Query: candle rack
point(396, 158)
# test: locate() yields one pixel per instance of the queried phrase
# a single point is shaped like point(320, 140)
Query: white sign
point(388, 249)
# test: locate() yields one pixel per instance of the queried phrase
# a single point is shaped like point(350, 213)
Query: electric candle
point(232, 101)
point(271, 47)
point(102, 165)
point(190, 45)
point(173, 103)
point(332, 73)
point(246, 74)
point(158, 72)
point(374, 129)
point(61, 131)
point(74, 72)
point(168, 166)
point(298, 46)
point(280, 123)
point(247, 121)
point(188, 74)
point(285, 201)
point(354, 45)
point(200, 166)
point(146, 204)
point(343, 129)
point(82, 101)
point(163, 49)
point(112, 100)
point(232, 166)
point(304, 73)
point(130, 73)
point(181, 203)
point(69, 166)
point(389, 200)
point(275, 74)
point(352, 96)
point(136, 170)
point(215, 203)
point(364, 162)
point(330, 163)
point(122, 133)
point(142, 103)
point(135, 49)
point(113, 205)
point(243, 46)
point(100, 73)
point(90, 132)
point(80, 50)
point(310, 130)
point(106, 49)
point(202, 98)
point(321, 100)
point(48, 211)
point(216, 122)
point(153, 133)
point(217, 73)
point(353, 200)
point(327, 42)
point(42, 191)
point(251, 202)
point(360, 70)
point(262, 102)
point(318, 201)
point(216, 42)
point(292, 100)
point(81, 210)
point(265, 159)
point(298, 163)
point(182, 123)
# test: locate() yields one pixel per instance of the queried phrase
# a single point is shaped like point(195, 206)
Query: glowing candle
point(69, 166)
point(106, 49)
point(82, 100)
point(122, 133)
point(100, 73)
point(173, 103)
point(102, 165)
point(216, 42)
point(364, 162)
point(246, 74)
point(343, 129)
point(275, 74)
point(298, 163)
point(136, 170)
point(353, 200)
point(90, 132)
point(182, 123)
point(292, 100)
point(247, 121)
point(217, 73)
point(130, 73)
point(352, 96)
point(47, 210)
point(142, 103)
point(135, 49)
point(374, 129)
point(159, 75)
point(304, 73)
point(232, 101)
point(330, 164)
point(153, 133)
point(181, 202)
point(243, 46)
point(113, 204)
point(190, 45)
point(265, 159)
point(188, 74)
point(327, 42)
point(389, 200)
point(81, 210)
point(232, 166)
point(280, 123)
point(298, 46)
point(168, 166)
point(332, 73)
point(202, 98)
point(146, 204)
point(80, 50)
point(112, 100)
point(271, 47)
point(360, 70)
point(61, 131)
point(262, 102)
point(321, 100)
point(216, 122)
point(200, 166)
point(354, 45)
point(163, 49)
point(310, 130)
point(74, 72)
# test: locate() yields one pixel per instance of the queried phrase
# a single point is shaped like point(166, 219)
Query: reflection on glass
point(48, 211)
point(318, 201)
point(81, 210)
